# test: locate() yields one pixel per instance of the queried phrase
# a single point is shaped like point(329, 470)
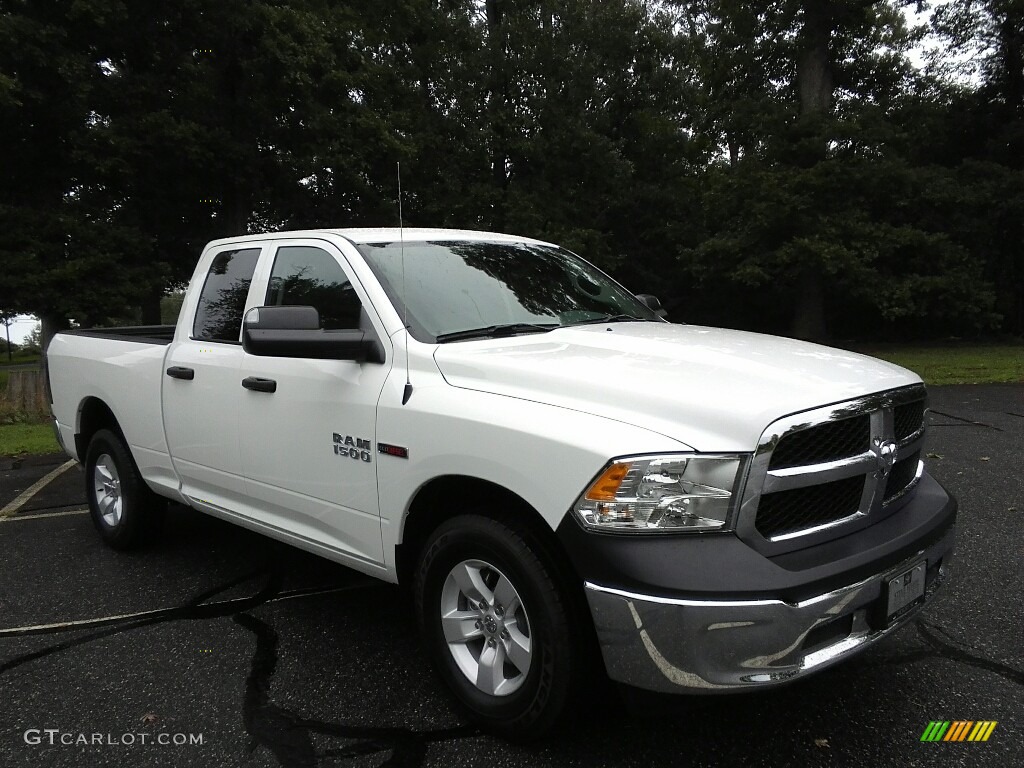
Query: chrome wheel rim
point(486, 627)
point(106, 485)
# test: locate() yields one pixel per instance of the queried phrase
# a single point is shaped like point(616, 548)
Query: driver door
point(308, 448)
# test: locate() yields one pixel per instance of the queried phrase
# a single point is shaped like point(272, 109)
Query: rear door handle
point(177, 372)
point(256, 384)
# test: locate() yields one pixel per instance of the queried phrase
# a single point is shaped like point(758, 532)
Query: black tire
point(137, 517)
point(555, 671)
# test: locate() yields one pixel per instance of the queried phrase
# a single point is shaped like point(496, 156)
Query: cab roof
point(393, 234)
point(362, 235)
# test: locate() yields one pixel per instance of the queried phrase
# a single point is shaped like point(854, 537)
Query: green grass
point(958, 364)
point(18, 439)
point(21, 357)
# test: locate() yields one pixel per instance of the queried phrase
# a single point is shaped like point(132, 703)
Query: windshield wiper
point(611, 319)
point(496, 331)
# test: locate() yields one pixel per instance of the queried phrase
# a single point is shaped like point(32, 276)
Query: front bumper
point(698, 641)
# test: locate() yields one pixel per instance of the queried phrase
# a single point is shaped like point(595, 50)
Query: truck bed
point(123, 368)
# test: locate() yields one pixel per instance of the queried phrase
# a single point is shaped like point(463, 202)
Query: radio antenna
point(407, 392)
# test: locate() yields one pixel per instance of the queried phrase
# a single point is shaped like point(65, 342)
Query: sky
point(21, 327)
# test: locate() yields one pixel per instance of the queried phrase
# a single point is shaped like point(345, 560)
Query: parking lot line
point(35, 488)
point(16, 518)
point(120, 617)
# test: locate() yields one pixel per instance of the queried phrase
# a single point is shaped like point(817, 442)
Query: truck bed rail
point(145, 334)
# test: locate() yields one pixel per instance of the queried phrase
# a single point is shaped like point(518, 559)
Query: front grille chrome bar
point(814, 474)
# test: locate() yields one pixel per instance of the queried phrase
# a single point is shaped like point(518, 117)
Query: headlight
point(663, 493)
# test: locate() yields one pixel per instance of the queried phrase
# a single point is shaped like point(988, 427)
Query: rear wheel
point(124, 510)
point(496, 622)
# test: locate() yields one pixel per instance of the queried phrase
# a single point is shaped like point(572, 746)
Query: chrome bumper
point(705, 646)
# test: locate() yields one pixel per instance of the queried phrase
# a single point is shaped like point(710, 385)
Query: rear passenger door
point(200, 386)
point(309, 447)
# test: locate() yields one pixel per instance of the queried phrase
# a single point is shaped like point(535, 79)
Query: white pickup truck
point(559, 474)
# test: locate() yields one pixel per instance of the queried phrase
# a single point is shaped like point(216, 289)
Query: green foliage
point(170, 307)
point(23, 355)
point(32, 346)
point(822, 207)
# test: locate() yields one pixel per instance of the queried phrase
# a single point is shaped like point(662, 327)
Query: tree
point(814, 206)
point(34, 340)
point(7, 317)
point(590, 155)
point(979, 131)
point(53, 237)
point(785, 155)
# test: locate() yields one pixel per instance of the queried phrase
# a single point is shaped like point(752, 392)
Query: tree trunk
point(236, 197)
point(809, 314)
point(234, 209)
point(497, 105)
point(49, 325)
point(814, 72)
point(151, 307)
point(814, 84)
point(1011, 42)
point(734, 149)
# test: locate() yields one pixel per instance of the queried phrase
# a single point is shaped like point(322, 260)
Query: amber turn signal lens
point(607, 485)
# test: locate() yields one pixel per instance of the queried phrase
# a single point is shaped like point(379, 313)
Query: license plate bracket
point(904, 591)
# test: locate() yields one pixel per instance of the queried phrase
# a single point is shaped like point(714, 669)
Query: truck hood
point(710, 388)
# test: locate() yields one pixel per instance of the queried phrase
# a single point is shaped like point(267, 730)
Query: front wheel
point(495, 620)
point(124, 510)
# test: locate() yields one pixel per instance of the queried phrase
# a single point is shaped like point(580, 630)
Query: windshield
point(452, 287)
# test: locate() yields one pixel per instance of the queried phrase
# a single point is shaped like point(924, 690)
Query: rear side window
point(222, 302)
point(311, 277)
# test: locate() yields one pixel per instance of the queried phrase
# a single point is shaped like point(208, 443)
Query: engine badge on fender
point(353, 447)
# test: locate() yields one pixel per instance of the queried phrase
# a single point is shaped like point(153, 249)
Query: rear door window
point(222, 302)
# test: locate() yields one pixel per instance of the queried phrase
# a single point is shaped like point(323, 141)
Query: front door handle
point(256, 384)
point(178, 372)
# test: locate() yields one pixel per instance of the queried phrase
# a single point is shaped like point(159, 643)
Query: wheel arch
point(432, 506)
point(93, 415)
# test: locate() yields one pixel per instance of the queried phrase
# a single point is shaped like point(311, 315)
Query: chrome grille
point(824, 473)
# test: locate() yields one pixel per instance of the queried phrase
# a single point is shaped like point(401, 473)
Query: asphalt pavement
point(219, 647)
